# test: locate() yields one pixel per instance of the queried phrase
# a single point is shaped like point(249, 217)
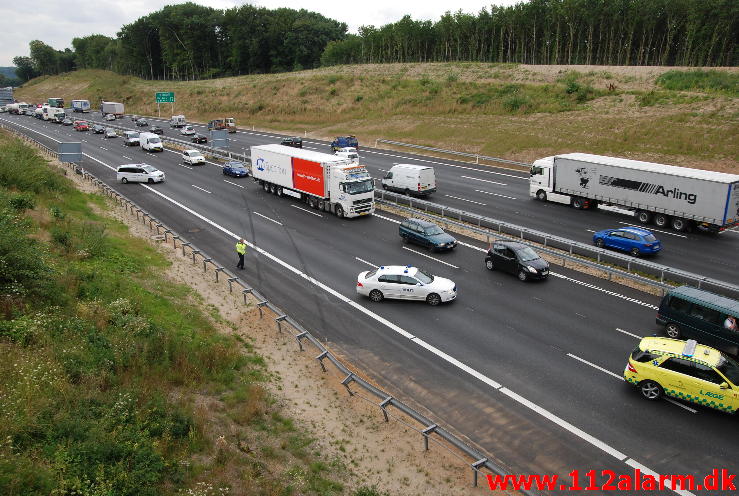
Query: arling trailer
point(325, 182)
point(666, 195)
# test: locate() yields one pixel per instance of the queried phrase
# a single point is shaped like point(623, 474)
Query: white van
point(141, 173)
point(151, 142)
point(177, 121)
point(410, 179)
point(130, 138)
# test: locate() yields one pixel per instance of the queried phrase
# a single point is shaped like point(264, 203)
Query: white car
point(141, 173)
point(192, 157)
point(187, 131)
point(109, 117)
point(405, 283)
point(348, 152)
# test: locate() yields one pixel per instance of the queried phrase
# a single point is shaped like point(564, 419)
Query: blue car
point(426, 234)
point(234, 168)
point(634, 240)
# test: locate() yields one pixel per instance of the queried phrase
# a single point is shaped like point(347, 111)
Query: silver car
point(405, 283)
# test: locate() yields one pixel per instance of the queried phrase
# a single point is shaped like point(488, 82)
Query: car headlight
point(531, 269)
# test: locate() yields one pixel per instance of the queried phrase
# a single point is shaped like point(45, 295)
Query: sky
point(56, 22)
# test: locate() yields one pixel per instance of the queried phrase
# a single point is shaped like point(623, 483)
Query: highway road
point(503, 194)
point(529, 372)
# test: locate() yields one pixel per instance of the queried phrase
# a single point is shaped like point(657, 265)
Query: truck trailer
point(666, 195)
point(114, 108)
point(325, 182)
point(227, 123)
point(81, 105)
point(177, 121)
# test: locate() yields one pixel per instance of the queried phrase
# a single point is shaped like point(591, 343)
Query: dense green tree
point(24, 68)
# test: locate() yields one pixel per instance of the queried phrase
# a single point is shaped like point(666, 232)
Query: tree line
point(190, 41)
point(601, 32)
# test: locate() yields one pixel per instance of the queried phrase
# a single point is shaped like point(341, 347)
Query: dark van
point(688, 312)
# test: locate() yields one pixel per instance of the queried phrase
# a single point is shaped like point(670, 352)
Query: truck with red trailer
point(323, 181)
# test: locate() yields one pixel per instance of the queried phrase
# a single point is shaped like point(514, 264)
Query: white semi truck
point(666, 195)
point(325, 182)
point(114, 108)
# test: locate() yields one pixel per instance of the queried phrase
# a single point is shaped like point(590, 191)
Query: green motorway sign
point(165, 97)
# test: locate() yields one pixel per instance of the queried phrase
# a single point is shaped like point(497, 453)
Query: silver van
point(131, 138)
point(139, 173)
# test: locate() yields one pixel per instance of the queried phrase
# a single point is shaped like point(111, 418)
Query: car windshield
point(357, 187)
point(527, 254)
point(196, 154)
point(149, 168)
point(424, 276)
point(235, 165)
point(649, 238)
point(730, 368)
point(433, 230)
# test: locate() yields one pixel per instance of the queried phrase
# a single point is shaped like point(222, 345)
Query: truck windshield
point(536, 170)
point(354, 188)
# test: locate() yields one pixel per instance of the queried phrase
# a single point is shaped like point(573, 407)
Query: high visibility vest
point(240, 248)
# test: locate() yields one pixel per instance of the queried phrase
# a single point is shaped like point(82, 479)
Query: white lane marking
point(306, 210)
point(386, 218)
point(127, 158)
point(649, 228)
point(628, 333)
point(269, 219)
point(483, 180)
point(185, 166)
point(606, 291)
point(237, 185)
point(429, 256)
point(595, 366)
point(516, 397)
point(465, 199)
point(496, 194)
point(646, 470)
point(201, 189)
point(368, 263)
point(677, 403)
point(103, 148)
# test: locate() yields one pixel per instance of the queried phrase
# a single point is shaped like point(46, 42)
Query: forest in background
point(189, 41)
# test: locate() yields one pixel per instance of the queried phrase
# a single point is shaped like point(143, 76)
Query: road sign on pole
point(165, 97)
point(70, 152)
point(219, 138)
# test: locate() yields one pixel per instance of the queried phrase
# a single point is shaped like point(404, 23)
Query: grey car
point(425, 233)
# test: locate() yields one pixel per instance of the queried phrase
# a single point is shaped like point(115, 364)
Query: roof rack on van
point(689, 349)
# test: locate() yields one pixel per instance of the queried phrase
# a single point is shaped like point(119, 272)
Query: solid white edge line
point(198, 187)
point(628, 333)
point(518, 398)
point(307, 211)
point(595, 366)
point(368, 263)
point(265, 217)
point(429, 256)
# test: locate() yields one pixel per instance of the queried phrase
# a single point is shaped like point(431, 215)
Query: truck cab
point(541, 182)
point(352, 190)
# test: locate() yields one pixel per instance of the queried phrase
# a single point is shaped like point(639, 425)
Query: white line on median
point(496, 194)
point(230, 182)
point(368, 263)
point(429, 256)
point(306, 210)
point(201, 189)
point(483, 180)
point(465, 199)
point(265, 217)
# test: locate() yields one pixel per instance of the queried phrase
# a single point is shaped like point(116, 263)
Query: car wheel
point(661, 220)
point(679, 224)
point(124, 180)
point(376, 295)
point(224, 172)
point(265, 185)
point(339, 212)
point(599, 243)
point(489, 264)
point(150, 181)
point(651, 390)
point(384, 186)
point(541, 195)
point(577, 203)
point(672, 331)
point(522, 276)
point(634, 252)
point(433, 299)
point(643, 216)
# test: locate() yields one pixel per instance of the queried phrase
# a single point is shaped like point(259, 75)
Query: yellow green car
point(684, 370)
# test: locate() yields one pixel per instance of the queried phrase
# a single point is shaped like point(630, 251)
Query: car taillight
point(631, 368)
point(419, 186)
point(359, 284)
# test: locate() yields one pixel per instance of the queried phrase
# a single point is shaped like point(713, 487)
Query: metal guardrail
point(476, 156)
point(428, 427)
point(573, 250)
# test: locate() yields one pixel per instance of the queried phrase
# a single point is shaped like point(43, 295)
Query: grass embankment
point(105, 363)
point(507, 110)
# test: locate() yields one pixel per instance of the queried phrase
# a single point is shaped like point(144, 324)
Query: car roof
point(410, 167)
point(234, 163)
point(682, 349)
point(397, 270)
point(422, 222)
point(512, 245)
point(192, 150)
point(635, 230)
point(706, 298)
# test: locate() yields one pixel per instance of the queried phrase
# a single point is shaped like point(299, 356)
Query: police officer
point(241, 251)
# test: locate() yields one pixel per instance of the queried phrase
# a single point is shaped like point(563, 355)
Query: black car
point(426, 234)
point(199, 138)
point(518, 259)
point(141, 122)
point(98, 129)
point(67, 122)
point(295, 142)
point(156, 130)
